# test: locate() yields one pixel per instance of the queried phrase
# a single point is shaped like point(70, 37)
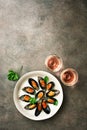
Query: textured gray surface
point(30, 30)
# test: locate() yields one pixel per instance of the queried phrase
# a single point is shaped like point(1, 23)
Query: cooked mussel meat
point(38, 109)
point(50, 85)
point(42, 83)
point(52, 93)
point(40, 94)
point(25, 98)
point(33, 83)
point(51, 100)
point(30, 106)
point(45, 107)
point(29, 90)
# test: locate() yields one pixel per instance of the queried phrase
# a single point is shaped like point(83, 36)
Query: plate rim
point(20, 80)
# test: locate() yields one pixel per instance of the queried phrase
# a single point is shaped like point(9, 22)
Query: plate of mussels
point(38, 95)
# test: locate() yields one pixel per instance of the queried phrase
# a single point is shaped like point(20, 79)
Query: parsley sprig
point(14, 76)
point(33, 100)
point(46, 79)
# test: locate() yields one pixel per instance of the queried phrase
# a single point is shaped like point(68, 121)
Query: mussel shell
point(29, 90)
point(45, 107)
point(52, 93)
point(51, 100)
point(30, 106)
point(38, 109)
point(50, 85)
point(33, 83)
point(40, 94)
point(42, 83)
point(25, 98)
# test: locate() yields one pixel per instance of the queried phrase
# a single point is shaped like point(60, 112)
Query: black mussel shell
point(42, 83)
point(25, 98)
point(29, 90)
point(38, 109)
point(30, 106)
point(52, 93)
point(40, 94)
point(50, 85)
point(33, 83)
point(45, 107)
point(51, 100)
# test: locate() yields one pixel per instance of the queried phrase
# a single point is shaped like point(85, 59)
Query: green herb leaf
point(13, 76)
point(56, 103)
point(46, 79)
point(32, 100)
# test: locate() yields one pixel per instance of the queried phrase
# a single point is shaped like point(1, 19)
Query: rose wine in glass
point(69, 77)
point(53, 63)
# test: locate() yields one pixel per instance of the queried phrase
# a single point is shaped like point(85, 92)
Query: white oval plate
point(22, 82)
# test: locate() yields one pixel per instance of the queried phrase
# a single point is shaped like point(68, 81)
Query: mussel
point(25, 98)
point(51, 100)
point(45, 107)
point(29, 90)
point(40, 94)
point(52, 93)
point(50, 85)
point(33, 83)
point(30, 106)
point(42, 83)
point(38, 109)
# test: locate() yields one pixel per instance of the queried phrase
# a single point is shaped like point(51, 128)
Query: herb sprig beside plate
point(14, 76)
